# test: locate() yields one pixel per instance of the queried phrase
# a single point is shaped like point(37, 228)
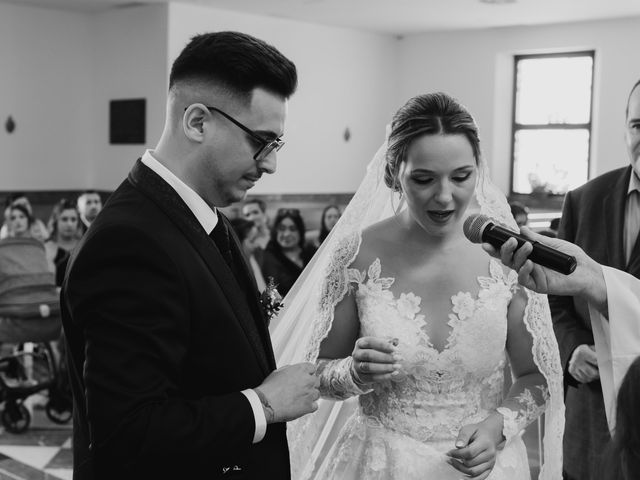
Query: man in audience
point(603, 218)
point(89, 206)
point(256, 211)
point(170, 359)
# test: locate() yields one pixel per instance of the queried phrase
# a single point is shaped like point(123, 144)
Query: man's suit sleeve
point(568, 329)
point(127, 296)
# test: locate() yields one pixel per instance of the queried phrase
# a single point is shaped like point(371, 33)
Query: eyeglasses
point(267, 146)
point(288, 211)
point(286, 228)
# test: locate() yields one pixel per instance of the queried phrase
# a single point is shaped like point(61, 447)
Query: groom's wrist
point(269, 413)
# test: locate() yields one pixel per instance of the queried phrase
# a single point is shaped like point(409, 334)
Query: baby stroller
point(30, 323)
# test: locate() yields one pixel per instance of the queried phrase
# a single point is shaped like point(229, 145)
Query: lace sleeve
point(521, 409)
point(338, 379)
point(529, 394)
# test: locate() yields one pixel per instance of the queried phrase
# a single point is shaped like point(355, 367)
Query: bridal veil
point(308, 313)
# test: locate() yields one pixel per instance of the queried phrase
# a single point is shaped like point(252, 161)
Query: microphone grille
point(474, 226)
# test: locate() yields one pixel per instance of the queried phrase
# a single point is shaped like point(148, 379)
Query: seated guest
point(20, 221)
point(38, 230)
point(330, 216)
point(255, 210)
point(286, 254)
point(89, 206)
point(65, 232)
point(247, 233)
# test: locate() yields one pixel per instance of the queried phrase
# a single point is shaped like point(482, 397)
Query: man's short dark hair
point(261, 204)
point(237, 62)
point(88, 192)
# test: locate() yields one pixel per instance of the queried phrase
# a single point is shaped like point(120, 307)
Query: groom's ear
point(194, 121)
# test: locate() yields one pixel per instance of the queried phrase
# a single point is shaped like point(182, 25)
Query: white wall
point(44, 85)
point(60, 69)
point(346, 79)
point(129, 61)
point(476, 66)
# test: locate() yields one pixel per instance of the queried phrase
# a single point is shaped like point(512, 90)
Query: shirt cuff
point(258, 414)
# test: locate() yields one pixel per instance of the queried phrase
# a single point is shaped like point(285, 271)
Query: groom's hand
point(289, 392)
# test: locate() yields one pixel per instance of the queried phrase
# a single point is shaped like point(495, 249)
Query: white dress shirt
point(208, 218)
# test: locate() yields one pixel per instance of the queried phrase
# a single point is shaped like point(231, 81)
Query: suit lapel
point(614, 204)
point(252, 291)
point(154, 187)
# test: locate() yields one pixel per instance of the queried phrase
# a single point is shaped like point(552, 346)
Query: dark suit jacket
point(593, 218)
point(162, 338)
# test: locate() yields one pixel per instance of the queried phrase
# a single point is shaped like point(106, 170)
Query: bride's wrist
point(495, 422)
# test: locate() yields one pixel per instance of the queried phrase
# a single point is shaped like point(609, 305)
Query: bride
point(417, 324)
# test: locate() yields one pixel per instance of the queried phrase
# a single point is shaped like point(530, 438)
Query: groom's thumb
point(464, 436)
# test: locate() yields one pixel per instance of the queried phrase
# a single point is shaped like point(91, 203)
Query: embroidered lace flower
point(463, 305)
point(408, 305)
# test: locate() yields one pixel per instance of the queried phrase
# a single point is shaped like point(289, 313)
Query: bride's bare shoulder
point(375, 239)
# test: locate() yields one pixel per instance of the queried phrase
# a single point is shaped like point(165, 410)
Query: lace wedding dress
point(402, 429)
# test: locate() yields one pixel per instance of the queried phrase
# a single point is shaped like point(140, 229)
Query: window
point(551, 122)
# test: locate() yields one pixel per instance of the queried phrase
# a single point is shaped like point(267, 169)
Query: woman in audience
point(622, 457)
point(65, 234)
point(248, 233)
point(20, 221)
point(37, 228)
point(330, 216)
point(286, 254)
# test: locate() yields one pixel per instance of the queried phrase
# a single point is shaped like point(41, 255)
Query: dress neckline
point(463, 304)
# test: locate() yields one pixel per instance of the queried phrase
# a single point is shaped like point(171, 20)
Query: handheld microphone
point(480, 228)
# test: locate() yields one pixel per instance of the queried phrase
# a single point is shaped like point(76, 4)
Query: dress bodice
point(437, 391)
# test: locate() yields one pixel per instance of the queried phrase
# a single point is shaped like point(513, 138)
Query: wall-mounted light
point(347, 134)
point(10, 124)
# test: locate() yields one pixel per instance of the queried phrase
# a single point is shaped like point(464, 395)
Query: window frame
point(547, 200)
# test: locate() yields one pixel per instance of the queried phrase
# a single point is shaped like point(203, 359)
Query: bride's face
point(438, 179)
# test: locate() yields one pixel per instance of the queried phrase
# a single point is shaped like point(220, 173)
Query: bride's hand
point(477, 446)
point(375, 360)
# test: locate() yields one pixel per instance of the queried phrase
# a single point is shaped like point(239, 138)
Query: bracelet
point(269, 414)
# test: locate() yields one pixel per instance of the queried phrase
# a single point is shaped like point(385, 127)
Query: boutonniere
point(271, 300)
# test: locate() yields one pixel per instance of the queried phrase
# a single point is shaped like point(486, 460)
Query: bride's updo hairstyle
point(428, 114)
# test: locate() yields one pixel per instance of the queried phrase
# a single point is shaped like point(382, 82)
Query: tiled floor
point(43, 452)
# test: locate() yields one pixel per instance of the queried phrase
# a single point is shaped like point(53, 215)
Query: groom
point(170, 358)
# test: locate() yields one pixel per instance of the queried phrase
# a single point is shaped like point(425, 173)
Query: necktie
point(220, 236)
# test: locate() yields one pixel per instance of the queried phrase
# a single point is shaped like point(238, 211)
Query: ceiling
point(396, 17)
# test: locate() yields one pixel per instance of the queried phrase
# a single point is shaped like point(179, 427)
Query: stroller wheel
point(57, 414)
point(15, 417)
